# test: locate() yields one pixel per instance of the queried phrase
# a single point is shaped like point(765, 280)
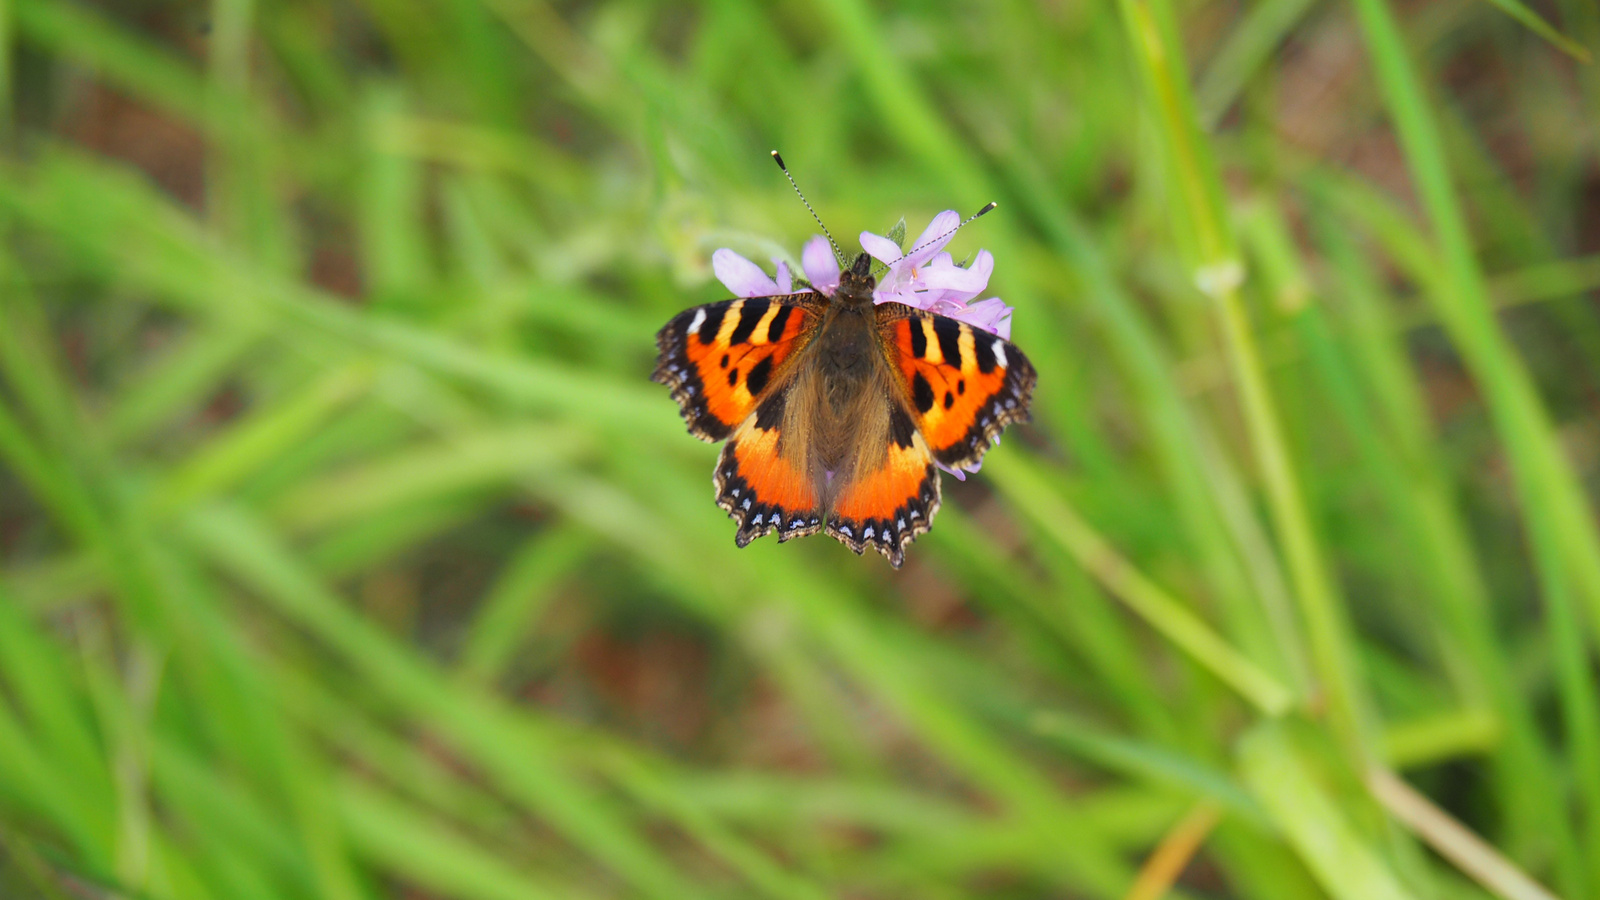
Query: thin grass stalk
point(1312, 819)
point(1552, 497)
point(1528, 786)
point(1575, 686)
point(1452, 840)
point(1204, 486)
point(1030, 493)
point(1546, 483)
point(1219, 273)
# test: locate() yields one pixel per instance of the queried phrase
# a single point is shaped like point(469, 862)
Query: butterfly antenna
point(843, 264)
point(884, 266)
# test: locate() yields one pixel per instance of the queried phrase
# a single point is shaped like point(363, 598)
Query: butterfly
point(835, 409)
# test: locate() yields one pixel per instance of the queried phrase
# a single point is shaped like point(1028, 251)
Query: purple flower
point(926, 279)
point(746, 279)
point(929, 279)
point(819, 264)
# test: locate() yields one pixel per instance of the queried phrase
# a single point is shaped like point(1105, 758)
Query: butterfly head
point(856, 283)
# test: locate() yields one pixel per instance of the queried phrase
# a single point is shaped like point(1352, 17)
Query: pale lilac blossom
point(903, 275)
point(926, 279)
point(746, 279)
point(819, 264)
point(930, 279)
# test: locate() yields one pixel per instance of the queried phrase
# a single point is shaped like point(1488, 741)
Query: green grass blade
point(1347, 863)
point(1029, 492)
point(1218, 272)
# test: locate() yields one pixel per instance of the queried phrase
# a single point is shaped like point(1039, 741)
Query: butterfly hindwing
point(885, 508)
point(759, 484)
point(962, 384)
point(720, 358)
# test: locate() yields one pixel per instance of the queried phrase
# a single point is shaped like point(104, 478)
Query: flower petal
point(881, 248)
point(741, 276)
point(819, 264)
point(935, 236)
point(991, 315)
point(952, 282)
point(903, 294)
point(785, 281)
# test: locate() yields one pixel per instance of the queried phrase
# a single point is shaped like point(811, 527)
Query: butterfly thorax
point(856, 284)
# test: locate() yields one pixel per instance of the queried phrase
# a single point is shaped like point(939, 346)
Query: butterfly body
point(835, 409)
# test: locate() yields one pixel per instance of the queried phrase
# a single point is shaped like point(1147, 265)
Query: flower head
point(926, 278)
point(929, 278)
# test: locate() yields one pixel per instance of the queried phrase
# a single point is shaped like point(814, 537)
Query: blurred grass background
point(346, 552)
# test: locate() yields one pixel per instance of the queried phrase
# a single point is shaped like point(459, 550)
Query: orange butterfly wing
point(962, 385)
point(727, 364)
point(720, 358)
point(759, 485)
point(887, 508)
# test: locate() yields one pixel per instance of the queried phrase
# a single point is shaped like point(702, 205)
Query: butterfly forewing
point(963, 385)
point(719, 359)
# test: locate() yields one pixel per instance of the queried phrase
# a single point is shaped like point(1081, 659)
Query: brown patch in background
point(170, 152)
point(657, 681)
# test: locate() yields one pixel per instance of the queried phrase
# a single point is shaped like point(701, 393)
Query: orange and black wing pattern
point(887, 507)
point(719, 359)
point(759, 481)
point(963, 385)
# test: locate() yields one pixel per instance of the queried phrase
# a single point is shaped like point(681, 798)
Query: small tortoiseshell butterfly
point(835, 409)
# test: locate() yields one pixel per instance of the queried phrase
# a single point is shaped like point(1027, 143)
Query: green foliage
point(347, 552)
